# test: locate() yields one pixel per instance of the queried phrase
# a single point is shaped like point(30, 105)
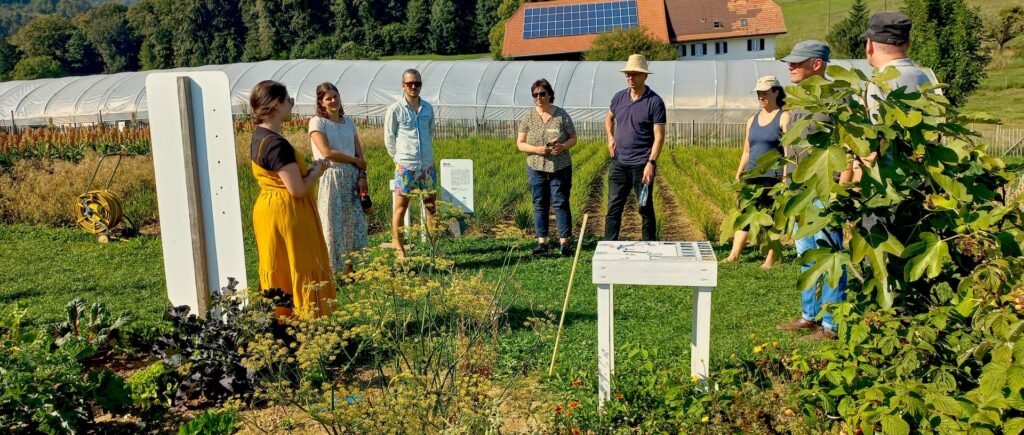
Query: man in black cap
point(888, 39)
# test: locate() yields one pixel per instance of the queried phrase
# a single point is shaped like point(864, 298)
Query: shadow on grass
point(519, 318)
point(12, 298)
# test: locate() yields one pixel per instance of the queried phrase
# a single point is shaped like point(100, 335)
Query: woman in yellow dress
point(290, 243)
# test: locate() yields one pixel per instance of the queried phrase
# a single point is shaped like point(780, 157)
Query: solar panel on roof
point(579, 19)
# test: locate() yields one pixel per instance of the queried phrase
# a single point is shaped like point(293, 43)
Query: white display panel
point(457, 183)
point(217, 182)
point(685, 264)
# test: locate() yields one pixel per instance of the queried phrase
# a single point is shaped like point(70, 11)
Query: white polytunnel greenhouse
point(480, 90)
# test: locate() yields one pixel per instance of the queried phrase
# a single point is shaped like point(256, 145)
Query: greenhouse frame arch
point(467, 90)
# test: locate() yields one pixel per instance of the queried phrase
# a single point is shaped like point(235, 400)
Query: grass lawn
point(44, 268)
point(811, 19)
point(1002, 93)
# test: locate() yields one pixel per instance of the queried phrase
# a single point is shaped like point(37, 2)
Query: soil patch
point(677, 225)
point(594, 205)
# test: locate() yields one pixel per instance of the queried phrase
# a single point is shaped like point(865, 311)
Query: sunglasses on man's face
point(414, 84)
point(540, 94)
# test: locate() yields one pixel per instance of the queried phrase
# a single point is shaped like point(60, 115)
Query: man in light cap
point(809, 59)
point(635, 125)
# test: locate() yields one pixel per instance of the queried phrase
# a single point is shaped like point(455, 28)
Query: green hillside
point(810, 19)
point(1001, 94)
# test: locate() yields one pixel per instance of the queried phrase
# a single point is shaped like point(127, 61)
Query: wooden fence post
point(195, 205)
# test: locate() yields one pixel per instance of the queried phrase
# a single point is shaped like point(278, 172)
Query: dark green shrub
point(931, 337)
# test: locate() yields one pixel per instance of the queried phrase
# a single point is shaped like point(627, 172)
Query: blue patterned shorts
point(407, 180)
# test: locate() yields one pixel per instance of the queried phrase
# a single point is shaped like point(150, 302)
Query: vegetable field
point(690, 195)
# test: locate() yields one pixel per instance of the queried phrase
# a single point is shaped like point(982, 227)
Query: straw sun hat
point(636, 63)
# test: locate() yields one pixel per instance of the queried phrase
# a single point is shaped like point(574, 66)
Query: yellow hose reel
point(100, 211)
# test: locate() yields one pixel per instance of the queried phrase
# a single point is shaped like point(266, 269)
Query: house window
point(704, 49)
point(718, 24)
point(698, 49)
point(743, 22)
point(721, 47)
point(682, 50)
point(761, 45)
point(755, 44)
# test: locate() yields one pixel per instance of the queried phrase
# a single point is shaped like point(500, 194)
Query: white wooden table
point(685, 264)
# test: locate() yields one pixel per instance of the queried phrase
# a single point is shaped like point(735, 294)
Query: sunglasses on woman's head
point(539, 94)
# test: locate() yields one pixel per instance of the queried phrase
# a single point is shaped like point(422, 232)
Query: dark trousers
point(621, 179)
point(551, 189)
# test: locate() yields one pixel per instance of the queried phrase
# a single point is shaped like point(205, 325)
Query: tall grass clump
point(44, 192)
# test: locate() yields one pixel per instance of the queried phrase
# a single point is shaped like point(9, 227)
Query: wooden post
point(700, 332)
point(605, 343)
point(568, 291)
point(195, 205)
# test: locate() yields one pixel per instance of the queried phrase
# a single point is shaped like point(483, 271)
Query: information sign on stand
point(457, 187)
point(197, 184)
point(685, 264)
point(457, 183)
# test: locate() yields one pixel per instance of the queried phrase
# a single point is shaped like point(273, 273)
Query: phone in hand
point(552, 147)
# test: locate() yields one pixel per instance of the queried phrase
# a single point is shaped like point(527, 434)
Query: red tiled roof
point(694, 20)
point(667, 20)
point(650, 14)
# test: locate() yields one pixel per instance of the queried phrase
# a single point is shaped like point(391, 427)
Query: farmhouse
point(698, 29)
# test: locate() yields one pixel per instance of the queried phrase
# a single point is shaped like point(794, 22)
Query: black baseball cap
point(888, 28)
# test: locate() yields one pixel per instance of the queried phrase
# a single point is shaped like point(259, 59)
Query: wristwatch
point(652, 162)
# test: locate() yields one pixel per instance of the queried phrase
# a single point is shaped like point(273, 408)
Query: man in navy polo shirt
point(636, 130)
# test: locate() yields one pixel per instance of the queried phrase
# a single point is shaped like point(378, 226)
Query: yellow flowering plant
point(412, 346)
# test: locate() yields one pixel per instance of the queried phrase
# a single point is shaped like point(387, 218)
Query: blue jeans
point(811, 301)
point(551, 189)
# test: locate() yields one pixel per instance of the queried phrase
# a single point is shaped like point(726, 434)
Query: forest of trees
point(53, 38)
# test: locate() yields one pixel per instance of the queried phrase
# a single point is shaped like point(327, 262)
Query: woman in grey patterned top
point(546, 134)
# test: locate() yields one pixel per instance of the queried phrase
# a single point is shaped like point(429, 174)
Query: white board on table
point(218, 182)
point(690, 264)
point(457, 183)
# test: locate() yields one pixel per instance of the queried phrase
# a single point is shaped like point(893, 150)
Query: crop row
point(70, 144)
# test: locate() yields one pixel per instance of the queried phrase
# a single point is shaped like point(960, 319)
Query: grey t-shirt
point(911, 77)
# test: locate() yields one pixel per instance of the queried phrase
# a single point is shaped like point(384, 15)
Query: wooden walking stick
point(565, 305)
